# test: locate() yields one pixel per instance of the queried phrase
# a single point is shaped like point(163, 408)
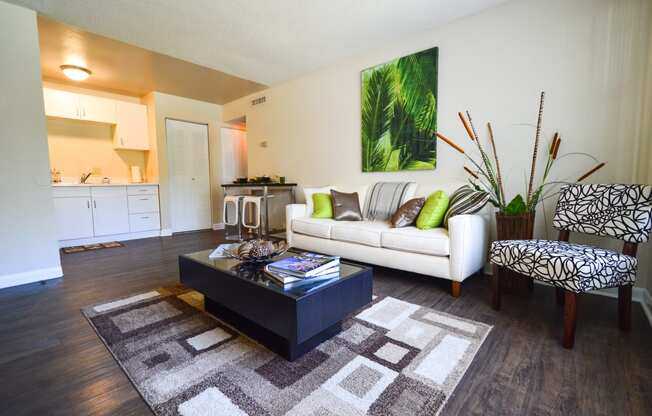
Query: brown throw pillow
point(407, 213)
point(346, 207)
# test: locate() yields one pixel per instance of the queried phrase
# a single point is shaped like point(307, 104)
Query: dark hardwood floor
point(52, 363)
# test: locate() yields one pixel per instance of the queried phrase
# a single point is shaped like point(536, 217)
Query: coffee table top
point(254, 272)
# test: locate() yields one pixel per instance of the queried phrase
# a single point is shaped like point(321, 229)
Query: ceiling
point(126, 69)
point(265, 41)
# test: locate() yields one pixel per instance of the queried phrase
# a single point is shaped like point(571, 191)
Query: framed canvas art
point(399, 114)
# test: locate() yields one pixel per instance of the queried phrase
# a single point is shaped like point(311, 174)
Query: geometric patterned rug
point(391, 358)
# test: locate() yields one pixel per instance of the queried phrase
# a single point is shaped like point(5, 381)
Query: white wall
point(588, 55)
point(28, 244)
point(234, 153)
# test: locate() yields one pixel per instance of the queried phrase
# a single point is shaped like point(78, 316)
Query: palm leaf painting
point(399, 114)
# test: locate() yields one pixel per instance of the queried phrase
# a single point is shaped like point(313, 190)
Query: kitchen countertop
point(61, 184)
point(254, 184)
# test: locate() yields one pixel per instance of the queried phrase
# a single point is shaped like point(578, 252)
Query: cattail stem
point(536, 148)
point(499, 177)
point(591, 172)
point(466, 126)
point(555, 150)
point(470, 172)
point(450, 142)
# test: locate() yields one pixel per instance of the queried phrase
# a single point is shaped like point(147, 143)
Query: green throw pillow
point(323, 206)
point(433, 211)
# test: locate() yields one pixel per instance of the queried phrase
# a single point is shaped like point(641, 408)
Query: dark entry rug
point(91, 247)
point(391, 358)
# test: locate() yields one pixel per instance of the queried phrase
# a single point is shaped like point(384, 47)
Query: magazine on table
point(304, 264)
point(285, 278)
point(288, 282)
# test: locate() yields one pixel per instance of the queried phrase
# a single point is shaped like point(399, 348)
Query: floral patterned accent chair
point(623, 212)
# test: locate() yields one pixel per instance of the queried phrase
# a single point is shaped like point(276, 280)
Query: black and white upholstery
point(619, 211)
point(575, 267)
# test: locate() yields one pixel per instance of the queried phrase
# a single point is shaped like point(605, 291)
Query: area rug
point(391, 358)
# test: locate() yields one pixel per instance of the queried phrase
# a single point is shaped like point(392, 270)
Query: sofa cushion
point(346, 207)
point(322, 205)
point(316, 227)
point(434, 241)
point(307, 193)
point(360, 232)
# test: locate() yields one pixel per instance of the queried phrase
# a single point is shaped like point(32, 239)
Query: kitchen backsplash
point(76, 147)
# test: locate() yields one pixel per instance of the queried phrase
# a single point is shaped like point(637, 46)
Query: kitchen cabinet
point(110, 210)
point(102, 110)
point(131, 126)
point(74, 217)
point(101, 213)
point(70, 105)
point(61, 104)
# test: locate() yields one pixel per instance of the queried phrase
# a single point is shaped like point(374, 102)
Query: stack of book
point(306, 270)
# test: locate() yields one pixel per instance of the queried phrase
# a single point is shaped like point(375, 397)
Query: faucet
point(84, 177)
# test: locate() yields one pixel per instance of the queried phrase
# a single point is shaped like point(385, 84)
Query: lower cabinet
point(74, 217)
point(110, 210)
point(88, 214)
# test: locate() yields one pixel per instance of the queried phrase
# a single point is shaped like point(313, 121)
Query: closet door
point(188, 166)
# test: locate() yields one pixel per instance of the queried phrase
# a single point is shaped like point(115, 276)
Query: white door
point(61, 104)
point(131, 126)
point(190, 203)
point(74, 217)
point(110, 210)
point(97, 109)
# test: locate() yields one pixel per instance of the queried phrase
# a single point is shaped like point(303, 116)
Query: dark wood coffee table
point(288, 322)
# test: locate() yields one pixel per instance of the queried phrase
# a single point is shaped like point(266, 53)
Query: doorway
point(188, 166)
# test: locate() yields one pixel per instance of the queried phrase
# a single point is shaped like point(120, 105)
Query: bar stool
point(255, 203)
point(232, 226)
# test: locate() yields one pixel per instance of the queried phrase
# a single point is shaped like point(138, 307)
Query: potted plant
point(514, 219)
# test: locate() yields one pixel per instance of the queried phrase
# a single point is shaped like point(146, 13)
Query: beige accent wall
point(28, 243)
point(81, 146)
point(589, 56)
point(162, 106)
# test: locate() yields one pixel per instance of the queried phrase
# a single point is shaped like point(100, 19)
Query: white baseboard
point(31, 276)
point(166, 232)
point(218, 226)
point(109, 238)
point(646, 303)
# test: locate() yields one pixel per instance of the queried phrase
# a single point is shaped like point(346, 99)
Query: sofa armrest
point(293, 211)
point(468, 245)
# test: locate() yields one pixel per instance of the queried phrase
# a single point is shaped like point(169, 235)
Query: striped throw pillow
point(465, 200)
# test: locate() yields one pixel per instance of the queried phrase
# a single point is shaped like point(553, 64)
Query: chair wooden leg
point(495, 288)
point(570, 317)
point(625, 307)
point(560, 296)
point(456, 287)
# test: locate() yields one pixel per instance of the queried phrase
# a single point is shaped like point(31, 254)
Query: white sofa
point(454, 253)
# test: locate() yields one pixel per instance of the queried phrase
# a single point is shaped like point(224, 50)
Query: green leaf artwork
point(399, 114)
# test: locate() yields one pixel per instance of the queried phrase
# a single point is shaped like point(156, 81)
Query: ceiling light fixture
point(75, 73)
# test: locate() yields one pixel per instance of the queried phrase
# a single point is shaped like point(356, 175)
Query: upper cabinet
point(130, 119)
point(97, 109)
point(61, 104)
point(131, 126)
point(66, 104)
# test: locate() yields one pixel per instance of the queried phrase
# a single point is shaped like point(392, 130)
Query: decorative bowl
point(257, 251)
